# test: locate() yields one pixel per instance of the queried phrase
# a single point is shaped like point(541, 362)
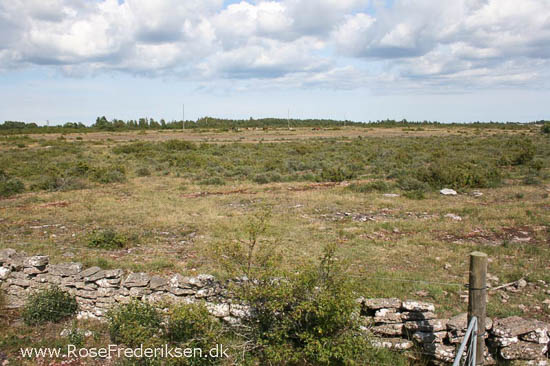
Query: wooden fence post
point(477, 299)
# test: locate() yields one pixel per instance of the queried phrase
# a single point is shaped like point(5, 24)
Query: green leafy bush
point(308, 318)
point(545, 128)
point(10, 186)
point(49, 305)
point(192, 326)
point(215, 181)
point(179, 145)
point(458, 174)
point(337, 174)
point(107, 239)
point(110, 174)
point(134, 323)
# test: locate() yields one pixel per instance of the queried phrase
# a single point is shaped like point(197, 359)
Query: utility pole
point(288, 118)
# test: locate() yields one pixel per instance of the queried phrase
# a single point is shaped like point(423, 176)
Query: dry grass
point(173, 226)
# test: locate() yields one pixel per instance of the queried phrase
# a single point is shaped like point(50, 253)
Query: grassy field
point(174, 200)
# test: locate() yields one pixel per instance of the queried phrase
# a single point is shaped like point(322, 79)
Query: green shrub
point(134, 323)
point(545, 128)
point(458, 175)
point(179, 145)
point(143, 172)
point(191, 325)
point(410, 184)
point(49, 305)
point(110, 174)
point(10, 186)
point(107, 239)
point(265, 178)
point(215, 181)
point(337, 174)
point(305, 318)
point(376, 186)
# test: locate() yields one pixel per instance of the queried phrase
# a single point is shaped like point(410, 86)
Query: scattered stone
point(521, 283)
point(540, 335)
point(477, 193)
point(453, 217)
point(448, 192)
point(390, 195)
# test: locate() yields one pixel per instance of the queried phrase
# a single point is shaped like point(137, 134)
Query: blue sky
point(462, 60)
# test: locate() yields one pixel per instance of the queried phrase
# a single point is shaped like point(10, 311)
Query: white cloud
point(301, 42)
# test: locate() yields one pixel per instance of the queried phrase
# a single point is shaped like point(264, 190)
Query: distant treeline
point(103, 124)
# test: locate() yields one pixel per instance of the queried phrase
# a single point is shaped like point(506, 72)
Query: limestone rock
point(431, 325)
point(392, 343)
point(376, 304)
point(523, 351)
point(109, 282)
point(429, 337)
point(136, 280)
point(89, 272)
point(388, 329)
point(513, 326)
point(4, 273)
point(6, 255)
point(36, 261)
point(440, 352)
point(540, 333)
point(448, 192)
point(181, 291)
point(421, 306)
point(416, 315)
point(387, 316)
point(158, 283)
point(218, 310)
point(179, 281)
point(65, 269)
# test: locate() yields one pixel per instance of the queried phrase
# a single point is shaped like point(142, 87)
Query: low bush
point(545, 128)
point(336, 174)
point(49, 305)
point(192, 326)
point(214, 181)
point(134, 324)
point(107, 239)
point(143, 172)
point(376, 186)
point(10, 186)
point(110, 174)
point(458, 174)
point(306, 318)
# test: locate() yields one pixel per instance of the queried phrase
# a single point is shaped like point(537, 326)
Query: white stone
point(4, 273)
point(448, 192)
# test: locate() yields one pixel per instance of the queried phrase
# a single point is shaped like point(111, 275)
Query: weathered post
point(477, 299)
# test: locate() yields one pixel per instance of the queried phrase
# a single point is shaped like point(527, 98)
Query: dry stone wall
point(389, 323)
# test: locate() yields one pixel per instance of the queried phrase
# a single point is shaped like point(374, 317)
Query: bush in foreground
point(10, 186)
point(134, 324)
point(49, 305)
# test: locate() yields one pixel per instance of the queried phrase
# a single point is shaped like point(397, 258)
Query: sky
point(444, 60)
